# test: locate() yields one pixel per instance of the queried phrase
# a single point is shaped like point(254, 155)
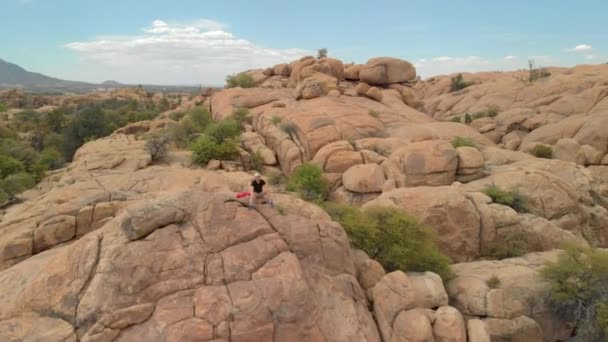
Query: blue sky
point(199, 42)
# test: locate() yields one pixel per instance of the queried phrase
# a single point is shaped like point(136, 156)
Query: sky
point(200, 42)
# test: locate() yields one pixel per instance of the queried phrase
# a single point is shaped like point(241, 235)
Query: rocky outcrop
point(386, 70)
point(514, 307)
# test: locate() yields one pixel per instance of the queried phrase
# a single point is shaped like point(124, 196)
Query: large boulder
point(449, 325)
point(470, 164)
point(503, 292)
point(254, 143)
point(431, 162)
point(364, 178)
point(217, 271)
point(386, 70)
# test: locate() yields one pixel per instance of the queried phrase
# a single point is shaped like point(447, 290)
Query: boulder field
point(118, 247)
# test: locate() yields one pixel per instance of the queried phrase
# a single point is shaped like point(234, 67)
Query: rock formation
point(116, 247)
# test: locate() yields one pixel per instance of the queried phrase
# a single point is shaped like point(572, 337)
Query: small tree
point(321, 53)
point(578, 290)
point(243, 80)
point(459, 83)
point(393, 238)
point(308, 181)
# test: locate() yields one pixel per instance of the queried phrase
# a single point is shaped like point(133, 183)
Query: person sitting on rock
point(257, 191)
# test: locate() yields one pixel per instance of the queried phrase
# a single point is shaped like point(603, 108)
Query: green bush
point(462, 142)
point(17, 183)
point(240, 115)
point(257, 161)
point(3, 107)
point(467, 118)
point(322, 53)
point(176, 116)
point(243, 80)
point(158, 145)
point(200, 118)
point(51, 158)
point(19, 150)
point(459, 83)
point(222, 131)
point(493, 282)
point(513, 245)
point(373, 113)
point(578, 290)
point(490, 112)
point(206, 148)
point(542, 151)
point(512, 199)
point(276, 120)
point(9, 165)
point(3, 198)
point(456, 119)
point(308, 181)
point(393, 238)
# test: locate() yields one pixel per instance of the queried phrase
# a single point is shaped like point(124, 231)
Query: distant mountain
point(14, 76)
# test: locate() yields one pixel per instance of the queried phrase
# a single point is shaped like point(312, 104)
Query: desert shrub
point(3, 107)
point(51, 159)
point(158, 145)
point(56, 120)
point(177, 115)
point(513, 245)
point(257, 161)
point(240, 115)
point(459, 83)
point(3, 198)
point(456, 119)
point(461, 142)
point(393, 238)
point(280, 209)
point(490, 112)
point(206, 148)
point(578, 290)
point(193, 122)
point(200, 117)
point(17, 183)
point(19, 150)
point(276, 178)
point(243, 80)
point(276, 120)
point(222, 131)
point(512, 199)
point(308, 181)
point(373, 113)
point(542, 151)
point(87, 124)
point(289, 128)
point(493, 282)
point(9, 165)
point(322, 53)
point(467, 118)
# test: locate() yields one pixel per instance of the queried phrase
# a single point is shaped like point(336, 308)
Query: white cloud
point(581, 47)
point(510, 58)
point(165, 53)
point(590, 57)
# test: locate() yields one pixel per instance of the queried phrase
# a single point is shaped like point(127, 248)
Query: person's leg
point(251, 199)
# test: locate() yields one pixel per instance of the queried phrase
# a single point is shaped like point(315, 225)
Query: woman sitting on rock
point(257, 191)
